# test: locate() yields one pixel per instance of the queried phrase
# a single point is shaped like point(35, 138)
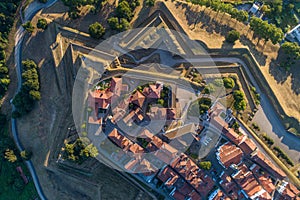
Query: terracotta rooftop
point(267, 184)
point(267, 165)
point(248, 146)
point(248, 183)
point(177, 195)
point(134, 115)
point(201, 182)
point(153, 91)
point(229, 154)
point(135, 148)
point(119, 139)
point(229, 186)
point(100, 98)
point(116, 86)
point(218, 195)
point(138, 98)
point(288, 191)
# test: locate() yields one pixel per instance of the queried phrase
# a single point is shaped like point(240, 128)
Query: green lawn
point(12, 186)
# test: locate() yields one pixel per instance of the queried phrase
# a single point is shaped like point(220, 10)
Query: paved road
point(30, 11)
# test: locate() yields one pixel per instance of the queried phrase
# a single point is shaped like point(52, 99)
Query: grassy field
point(12, 186)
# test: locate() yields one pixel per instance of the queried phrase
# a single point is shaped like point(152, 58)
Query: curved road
point(30, 11)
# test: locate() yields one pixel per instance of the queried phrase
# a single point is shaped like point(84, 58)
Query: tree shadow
point(260, 57)
point(281, 74)
point(227, 45)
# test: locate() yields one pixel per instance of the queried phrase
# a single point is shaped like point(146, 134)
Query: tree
point(80, 150)
point(28, 27)
point(124, 11)
point(43, 1)
point(236, 127)
point(240, 102)
point(26, 155)
point(2, 55)
point(242, 16)
point(206, 165)
point(96, 30)
point(228, 82)
point(150, 3)
point(35, 95)
point(10, 155)
point(291, 49)
point(42, 23)
point(114, 24)
point(209, 89)
point(232, 36)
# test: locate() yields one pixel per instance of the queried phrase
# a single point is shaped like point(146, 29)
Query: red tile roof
point(116, 86)
point(229, 186)
point(267, 184)
point(178, 196)
point(266, 164)
point(248, 146)
point(138, 98)
point(247, 181)
point(135, 148)
point(119, 139)
point(166, 174)
point(229, 154)
point(153, 91)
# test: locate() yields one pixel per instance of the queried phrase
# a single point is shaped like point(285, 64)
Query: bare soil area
point(43, 130)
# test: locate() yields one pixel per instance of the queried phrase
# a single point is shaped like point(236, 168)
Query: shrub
point(255, 126)
point(209, 89)
point(150, 3)
point(268, 140)
point(228, 83)
point(42, 23)
point(232, 36)
point(205, 165)
point(28, 27)
point(119, 25)
point(218, 82)
point(96, 30)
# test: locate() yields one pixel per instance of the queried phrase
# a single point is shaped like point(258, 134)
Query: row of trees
point(265, 30)
point(4, 78)
point(7, 14)
point(29, 93)
point(261, 28)
point(219, 6)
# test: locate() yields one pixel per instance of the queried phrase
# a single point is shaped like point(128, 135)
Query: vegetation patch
point(200, 106)
point(29, 93)
point(79, 151)
point(11, 183)
point(281, 154)
point(206, 165)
